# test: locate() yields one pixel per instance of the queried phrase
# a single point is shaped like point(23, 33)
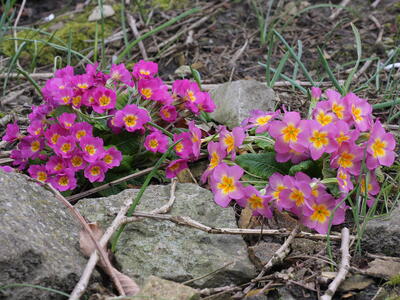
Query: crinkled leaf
point(122, 101)
point(303, 166)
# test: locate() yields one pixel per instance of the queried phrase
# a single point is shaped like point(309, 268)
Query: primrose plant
point(80, 131)
point(341, 141)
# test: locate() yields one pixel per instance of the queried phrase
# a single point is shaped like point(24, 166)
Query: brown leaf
point(85, 242)
point(128, 284)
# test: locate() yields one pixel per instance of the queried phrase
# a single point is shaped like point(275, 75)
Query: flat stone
point(262, 252)
point(108, 11)
point(160, 289)
point(383, 268)
point(355, 282)
point(174, 252)
point(235, 100)
point(382, 235)
point(38, 240)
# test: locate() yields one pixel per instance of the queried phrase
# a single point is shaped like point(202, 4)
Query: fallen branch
point(344, 266)
point(189, 222)
point(278, 257)
point(33, 75)
point(375, 3)
point(132, 25)
point(337, 11)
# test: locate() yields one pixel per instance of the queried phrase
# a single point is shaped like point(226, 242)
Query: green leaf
point(261, 164)
point(122, 101)
point(62, 109)
point(303, 166)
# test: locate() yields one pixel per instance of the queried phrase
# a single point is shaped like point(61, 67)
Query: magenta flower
point(77, 99)
point(12, 133)
point(360, 111)
point(258, 203)
point(31, 146)
point(380, 147)
point(275, 186)
point(76, 162)
point(66, 120)
point(55, 165)
point(337, 105)
point(7, 169)
point(104, 99)
point(38, 172)
point(66, 72)
point(231, 140)
point(348, 157)
point(168, 113)
point(53, 133)
point(154, 89)
point(112, 158)
point(156, 142)
point(35, 128)
point(297, 195)
point(294, 156)
point(215, 154)
point(95, 172)
point(65, 146)
point(81, 129)
point(322, 113)
point(261, 120)
point(179, 87)
point(314, 137)
point(175, 167)
point(64, 181)
point(196, 138)
point(340, 132)
point(120, 73)
point(82, 82)
point(98, 77)
point(40, 112)
point(207, 104)
point(92, 148)
point(286, 132)
point(184, 148)
point(144, 69)
point(132, 118)
point(321, 213)
point(111, 123)
point(19, 159)
point(225, 184)
point(344, 181)
point(316, 93)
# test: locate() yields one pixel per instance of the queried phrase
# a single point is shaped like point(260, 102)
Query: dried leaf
point(128, 284)
point(85, 242)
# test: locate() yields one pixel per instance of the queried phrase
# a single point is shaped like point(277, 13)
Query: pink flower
point(112, 158)
point(154, 89)
point(92, 148)
point(55, 165)
point(175, 167)
point(35, 128)
point(121, 73)
point(132, 118)
point(275, 186)
point(7, 169)
point(179, 87)
point(65, 146)
point(168, 113)
point(82, 82)
point(104, 99)
point(231, 140)
point(196, 138)
point(31, 146)
point(77, 98)
point(315, 138)
point(216, 155)
point(207, 104)
point(111, 123)
point(76, 162)
point(286, 133)
point(337, 105)
point(261, 120)
point(360, 111)
point(380, 147)
point(40, 112)
point(298, 194)
point(144, 69)
point(294, 156)
point(156, 142)
point(348, 157)
point(12, 133)
point(64, 181)
point(340, 132)
point(225, 184)
point(316, 93)
point(344, 180)
point(322, 113)
point(66, 120)
point(53, 133)
point(81, 129)
point(256, 202)
point(95, 172)
point(370, 185)
point(184, 148)
point(38, 172)
point(19, 159)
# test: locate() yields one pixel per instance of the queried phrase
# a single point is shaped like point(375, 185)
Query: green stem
point(162, 129)
point(386, 104)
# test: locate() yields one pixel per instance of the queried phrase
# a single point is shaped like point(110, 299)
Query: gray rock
point(38, 240)
point(174, 252)
point(262, 252)
point(108, 11)
point(235, 100)
point(382, 235)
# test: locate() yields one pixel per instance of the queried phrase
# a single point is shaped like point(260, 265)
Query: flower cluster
point(63, 137)
point(341, 131)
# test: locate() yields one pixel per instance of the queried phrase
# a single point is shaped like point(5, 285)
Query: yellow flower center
point(58, 167)
point(315, 192)
point(76, 100)
point(191, 95)
point(179, 147)
point(41, 176)
point(290, 133)
point(319, 139)
point(229, 141)
point(146, 92)
point(166, 113)
point(104, 100)
point(63, 181)
point(278, 191)
point(378, 148)
point(54, 138)
point(130, 120)
point(66, 99)
point(77, 161)
point(108, 159)
point(356, 111)
point(90, 149)
point(83, 85)
point(144, 72)
point(321, 213)
point(338, 110)
point(263, 120)
point(116, 76)
point(95, 171)
point(153, 143)
point(214, 161)
point(342, 138)
point(255, 202)
point(80, 134)
point(323, 118)
point(35, 146)
point(297, 196)
point(226, 185)
point(66, 147)
point(346, 160)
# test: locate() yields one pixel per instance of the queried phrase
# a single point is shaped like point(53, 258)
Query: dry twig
point(132, 24)
point(344, 266)
point(337, 11)
point(375, 3)
point(379, 26)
